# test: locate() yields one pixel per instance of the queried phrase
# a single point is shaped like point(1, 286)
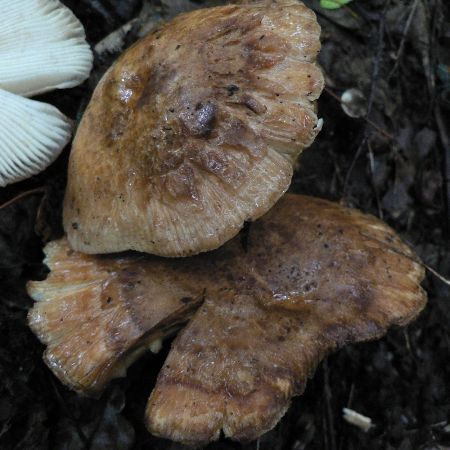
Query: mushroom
point(316, 276)
point(32, 134)
point(307, 278)
point(98, 314)
point(201, 124)
point(43, 47)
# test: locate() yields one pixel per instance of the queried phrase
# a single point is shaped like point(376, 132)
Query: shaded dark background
point(394, 163)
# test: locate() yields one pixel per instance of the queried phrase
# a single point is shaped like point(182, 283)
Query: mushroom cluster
point(202, 122)
point(43, 47)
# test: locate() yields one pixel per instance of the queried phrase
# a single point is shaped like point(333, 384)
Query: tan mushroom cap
point(307, 278)
point(315, 276)
point(97, 315)
point(194, 130)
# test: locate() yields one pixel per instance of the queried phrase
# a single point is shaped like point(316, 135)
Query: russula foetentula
point(194, 130)
point(42, 47)
point(307, 278)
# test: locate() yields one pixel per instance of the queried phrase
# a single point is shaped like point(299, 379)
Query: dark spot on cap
point(253, 105)
point(232, 88)
point(157, 82)
point(75, 225)
point(202, 122)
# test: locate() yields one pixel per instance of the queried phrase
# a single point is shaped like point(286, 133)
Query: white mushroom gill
point(31, 136)
point(42, 47)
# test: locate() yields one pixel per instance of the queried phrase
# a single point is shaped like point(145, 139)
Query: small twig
point(436, 274)
point(374, 186)
point(376, 63)
point(353, 13)
point(374, 80)
point(354, 160)
point(350, 395)
point(366, 119)
point(416, 260)
point(102, 10)
point(38, 190)
point(445, 140)
point(330, 418)
point(325, 430)
point(404, 36)
point(332, 94)
point(407, 341)
point(379, 129)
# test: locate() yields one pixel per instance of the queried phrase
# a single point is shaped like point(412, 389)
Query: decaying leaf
point(202, 122)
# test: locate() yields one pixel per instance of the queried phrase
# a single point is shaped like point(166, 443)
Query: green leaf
point(333, 4)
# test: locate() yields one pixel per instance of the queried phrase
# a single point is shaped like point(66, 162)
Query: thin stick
point(416, 260)
point(436, 274)
point(404, 35)
point(379, 129)
point(445, 140)
point(350, 395)
point(329, 411)
point(374, 80)
point(38, 190)
point(366, 119)
point(374, 186)
point(354, 160)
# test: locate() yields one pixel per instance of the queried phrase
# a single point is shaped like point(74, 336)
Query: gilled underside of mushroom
point(201, 123)
point(307, 278)
point(97, 315)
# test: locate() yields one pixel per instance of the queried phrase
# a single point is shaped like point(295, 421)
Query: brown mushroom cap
point(307, 278)
point(98, 314)
point(195, 130)
point(315, 276)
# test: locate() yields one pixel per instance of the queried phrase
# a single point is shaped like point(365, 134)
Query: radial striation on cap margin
point(195, 130)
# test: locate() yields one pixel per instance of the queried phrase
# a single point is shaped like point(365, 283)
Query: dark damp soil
point(393, 161)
